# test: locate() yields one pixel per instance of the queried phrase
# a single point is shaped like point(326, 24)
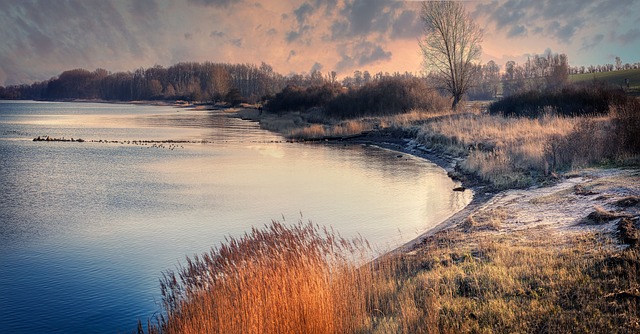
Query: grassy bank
point(563, 258)
point(301, 280)
point(616, 78)
point(505, 152)
point(458, 283)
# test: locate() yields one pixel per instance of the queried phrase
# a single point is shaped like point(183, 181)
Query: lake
point(87, 228)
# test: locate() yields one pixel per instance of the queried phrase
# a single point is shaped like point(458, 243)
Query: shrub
point(294, 98)
point(626, 121)
point(386, 97)
point(577, 100)
point(591, 141)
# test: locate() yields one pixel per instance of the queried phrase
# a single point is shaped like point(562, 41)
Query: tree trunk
point(456, 100)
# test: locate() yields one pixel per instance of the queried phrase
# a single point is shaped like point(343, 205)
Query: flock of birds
point(160, 144)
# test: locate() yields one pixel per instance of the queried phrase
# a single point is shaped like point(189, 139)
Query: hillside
point(615, 78)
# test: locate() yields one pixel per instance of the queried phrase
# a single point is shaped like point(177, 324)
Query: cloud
point(591, 42)
point(145, 9)
point(564, 32)
point(237, 42)
point(627, 38)
point(292, 54)
point(303, 12)
point(361, 54)
point(360, 18)
point(214, 3)
point(294, 35)
point(517, 31)
point(372, 54)
point(408, 25)
point(316, 67)
point(561, 20)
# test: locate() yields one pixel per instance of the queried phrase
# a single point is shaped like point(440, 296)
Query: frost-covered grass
point(457, 283)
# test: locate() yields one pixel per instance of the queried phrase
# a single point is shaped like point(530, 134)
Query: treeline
point(184, 81)
point(618, 66)
point(539, 73)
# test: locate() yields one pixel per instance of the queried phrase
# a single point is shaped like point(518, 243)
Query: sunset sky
point(40, 39)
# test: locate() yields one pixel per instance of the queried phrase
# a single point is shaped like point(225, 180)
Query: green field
point(615, 78)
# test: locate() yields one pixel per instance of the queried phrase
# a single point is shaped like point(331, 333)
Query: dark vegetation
point(295, 98)
point(209, 82)
point(387, 96)
point(593, 98)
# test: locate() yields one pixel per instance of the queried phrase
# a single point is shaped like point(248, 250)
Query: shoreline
point(482, 193)
point(558, 209)
point(448, 163)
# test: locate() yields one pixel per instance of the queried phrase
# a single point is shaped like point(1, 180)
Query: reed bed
point(303, 279)
point(280, 279)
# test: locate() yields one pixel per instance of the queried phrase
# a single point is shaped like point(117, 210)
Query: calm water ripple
point(86, 229)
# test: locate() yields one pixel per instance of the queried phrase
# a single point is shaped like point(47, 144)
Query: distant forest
point(234, 83)
point(183, 81)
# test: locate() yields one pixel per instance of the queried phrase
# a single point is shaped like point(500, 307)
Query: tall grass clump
point(279, 279)
point(597, 140)
point(504, 151)
point(626, 120)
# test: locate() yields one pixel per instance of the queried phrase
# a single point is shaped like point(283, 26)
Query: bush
point(381, 98)
point(626, 121)
point(577, 100)
point(294, 98)
point(386, 97)
point(592, 141)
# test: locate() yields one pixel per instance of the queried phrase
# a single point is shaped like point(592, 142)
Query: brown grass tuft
point(281, 279)
point(628, 201)
point(601, 216)
point(510, 284)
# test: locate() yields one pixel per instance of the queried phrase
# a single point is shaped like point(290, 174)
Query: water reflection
point(87, 228)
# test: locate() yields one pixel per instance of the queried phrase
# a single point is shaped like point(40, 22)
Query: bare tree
point(450, 45)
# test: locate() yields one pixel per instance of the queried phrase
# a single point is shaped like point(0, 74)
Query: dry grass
point(280, 279)
point(339, 129)
point(504, 151)
point(302, 279)
point(312, 125)
point(458, 283)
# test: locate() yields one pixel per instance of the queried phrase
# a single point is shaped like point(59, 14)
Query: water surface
point(86, 229)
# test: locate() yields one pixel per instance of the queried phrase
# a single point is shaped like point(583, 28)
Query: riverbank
point(559, 253)
point(554, 206)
